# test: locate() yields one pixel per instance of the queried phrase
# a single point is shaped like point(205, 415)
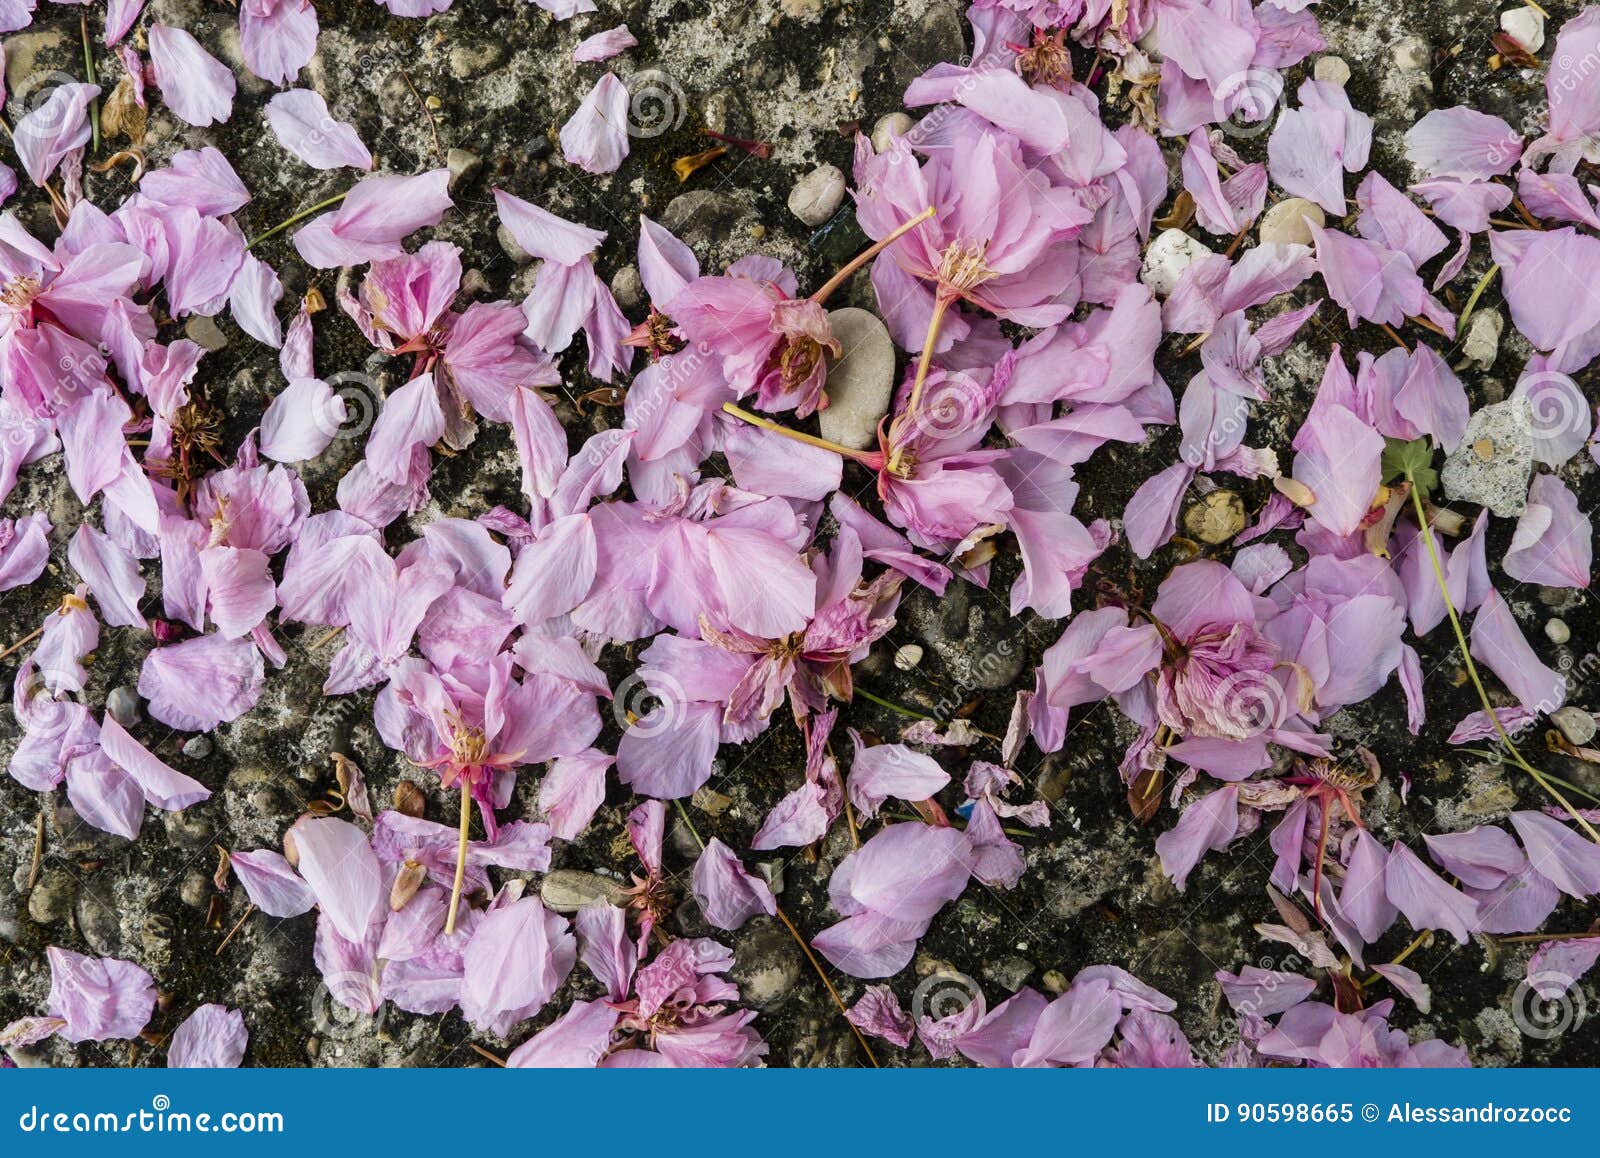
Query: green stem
point(1477, 292)
point(1472, 668)
point(684, 812)
point(296, 219)
point(88, 68)
point(892, 706)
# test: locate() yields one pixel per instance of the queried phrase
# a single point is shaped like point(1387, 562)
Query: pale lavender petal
point(604, 45)
point(578, 1039)
point(891, 770)
point(303, 125)
point(728, 896)
point(112, 575)
point(44, 136)
point(163, 786)
point(1562, 856)
point(596, 137)
point(98, 998)
point(516, 960)
point(1338, 459)
point(1427, 901)
point(1554, 541)
point(1462, 142)
point(196, 85)
point(877, 1012)
point(1208, 824)
point(212, 1037)
point(200, 683)
point(1498, 644)
point(272, 885)
point(339, 866)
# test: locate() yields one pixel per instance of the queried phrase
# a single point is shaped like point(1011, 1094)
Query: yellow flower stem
point(744, 415)
point(461, 857)
point(868, 254)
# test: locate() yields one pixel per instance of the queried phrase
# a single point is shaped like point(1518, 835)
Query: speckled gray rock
point(123, 704)
point(1492, 465)
point(197, 747)
point(50, 900)
point(628, 287)
point(205, 332)
point(767, 964)
point(817, 195)
point(509, 244)
point(1576, 725)
point(861, 383)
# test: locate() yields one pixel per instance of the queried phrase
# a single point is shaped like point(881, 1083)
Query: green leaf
point(1410, 460)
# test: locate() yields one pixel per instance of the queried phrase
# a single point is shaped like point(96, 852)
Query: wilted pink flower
point(995, 240)
point(770, 342)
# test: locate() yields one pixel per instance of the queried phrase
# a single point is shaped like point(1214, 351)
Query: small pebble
point(1524, 25)
point(1576, 725)
point(1557, 631)
point(889, 126)
point(514, 251)
point(907, 656)
point(1172, 252)
point(205, 332)
point(628, 287)
point(1411, 54)
point(1216, 518)
point(1331, 68)
point(197, 747)
point(1289, 222)
point(817, 195)
point(463, 165)
point(1481, 346)
point(861, 383)
point(51, 899)
point(123, 704)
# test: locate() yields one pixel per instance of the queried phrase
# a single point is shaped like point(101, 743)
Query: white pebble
point(1172, 252)
point(816, 195)
point(1331, 68)
point(1525, 26)
point(1557, 631)
point(889, 126)
point(907, 656)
